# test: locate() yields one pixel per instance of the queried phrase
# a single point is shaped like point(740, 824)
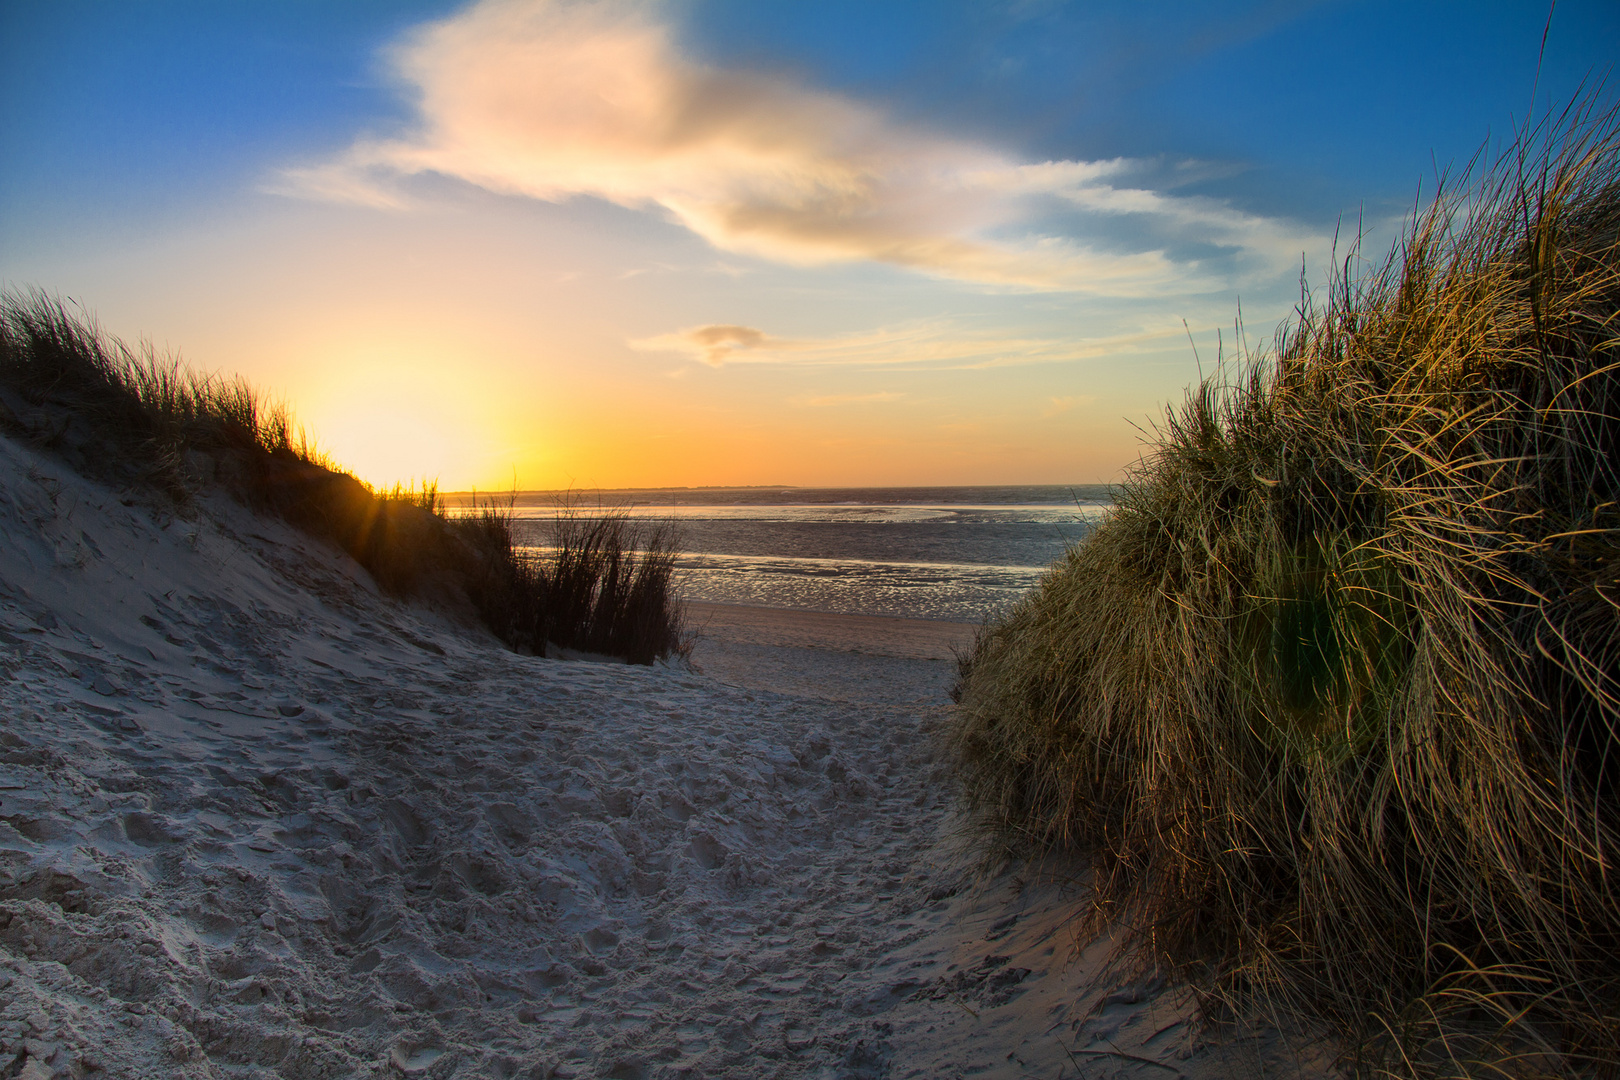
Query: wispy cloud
point(1057, 406)
point(713, 344)
point(879, 398)
point(552, 99)
point(936, 344)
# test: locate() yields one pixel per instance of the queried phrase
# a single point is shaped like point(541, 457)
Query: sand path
point(257, 821)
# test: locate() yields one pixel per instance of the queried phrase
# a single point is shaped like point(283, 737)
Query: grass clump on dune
point(138, 419)
point(1330, 700)
point(601, 586)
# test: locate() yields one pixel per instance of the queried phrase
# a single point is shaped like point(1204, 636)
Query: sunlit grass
point(1331, 698)
point(131, 417)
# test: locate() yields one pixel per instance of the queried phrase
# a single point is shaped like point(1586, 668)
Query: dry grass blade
point(131, 417)
point(1332, 696)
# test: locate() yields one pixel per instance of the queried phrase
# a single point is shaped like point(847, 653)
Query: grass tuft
point(130, 417)
point(602, 585)
point(1331, 698)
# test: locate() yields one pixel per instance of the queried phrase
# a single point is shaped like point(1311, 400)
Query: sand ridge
point(256, 820)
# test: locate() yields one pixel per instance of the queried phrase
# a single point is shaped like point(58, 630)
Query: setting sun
point(838, 540)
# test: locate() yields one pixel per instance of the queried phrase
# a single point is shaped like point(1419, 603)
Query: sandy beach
point(257, 820)
point(856, 658)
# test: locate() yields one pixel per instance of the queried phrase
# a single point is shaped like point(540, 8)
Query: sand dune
point(256, 820)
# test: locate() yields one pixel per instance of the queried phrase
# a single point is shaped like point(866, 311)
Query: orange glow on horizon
point(399, 414)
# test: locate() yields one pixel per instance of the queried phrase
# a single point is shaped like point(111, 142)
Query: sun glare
point(382, 443)
point(406, 422)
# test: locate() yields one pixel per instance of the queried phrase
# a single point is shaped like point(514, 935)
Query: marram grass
point(1331, 698)
point(138, 420)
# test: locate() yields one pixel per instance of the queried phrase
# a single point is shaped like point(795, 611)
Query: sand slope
point(257, 821)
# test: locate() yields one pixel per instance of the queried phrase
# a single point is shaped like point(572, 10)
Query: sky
point(629, 243)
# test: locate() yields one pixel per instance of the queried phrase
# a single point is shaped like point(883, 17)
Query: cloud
point(553, 99)
point(713, 344)
point(879, 398)
point(929, 344)
point(1057, 406)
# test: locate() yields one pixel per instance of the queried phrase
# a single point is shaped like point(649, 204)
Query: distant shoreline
point(750, 495)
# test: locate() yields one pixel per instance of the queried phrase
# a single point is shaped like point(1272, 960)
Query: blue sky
point(728, 242)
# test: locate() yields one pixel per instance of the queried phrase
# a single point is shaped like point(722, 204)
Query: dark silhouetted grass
point(1330, 699)
point(131, 417)
point(601, 586)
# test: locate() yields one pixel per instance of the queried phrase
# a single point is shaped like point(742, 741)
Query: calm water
point(933, 553)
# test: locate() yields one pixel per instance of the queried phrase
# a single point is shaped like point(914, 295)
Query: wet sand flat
point(874, 635)
point(853, 658)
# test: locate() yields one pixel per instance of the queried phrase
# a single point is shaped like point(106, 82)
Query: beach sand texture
point(256, 820)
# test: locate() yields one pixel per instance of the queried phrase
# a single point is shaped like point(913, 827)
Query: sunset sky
point(731, 241)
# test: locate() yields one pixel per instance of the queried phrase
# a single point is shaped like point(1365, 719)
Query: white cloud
point(553, 99)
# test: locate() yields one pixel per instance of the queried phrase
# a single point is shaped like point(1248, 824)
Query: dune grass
point(602, 585)
point(1330, 699)
point(133, 418)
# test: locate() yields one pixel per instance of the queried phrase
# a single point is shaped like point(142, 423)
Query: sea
point(957, 553)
